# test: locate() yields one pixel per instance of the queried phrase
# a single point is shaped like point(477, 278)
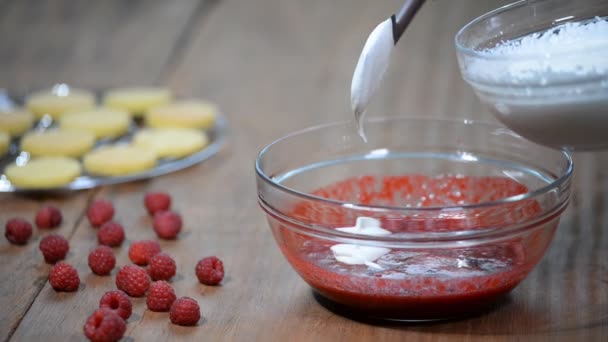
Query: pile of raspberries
point(149, 274)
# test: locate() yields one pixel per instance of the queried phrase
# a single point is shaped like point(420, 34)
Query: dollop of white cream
point(361, 255)
point(357, 255)
point(371, 67)
point(366, 226)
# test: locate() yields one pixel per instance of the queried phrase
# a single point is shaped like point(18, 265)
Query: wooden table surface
point(273, 66)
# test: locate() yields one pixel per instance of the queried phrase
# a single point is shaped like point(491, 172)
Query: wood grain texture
point(275, 66)
point(92, 44)
point(23, 269)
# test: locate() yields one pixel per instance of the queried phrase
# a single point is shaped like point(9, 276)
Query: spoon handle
point(404, 16)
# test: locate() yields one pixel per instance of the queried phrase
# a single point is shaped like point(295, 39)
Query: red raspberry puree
point(419, 284)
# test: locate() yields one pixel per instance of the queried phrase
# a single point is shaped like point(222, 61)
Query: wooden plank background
point(274, 66)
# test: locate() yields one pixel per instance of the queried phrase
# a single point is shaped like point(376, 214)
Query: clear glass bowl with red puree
point(467, 209)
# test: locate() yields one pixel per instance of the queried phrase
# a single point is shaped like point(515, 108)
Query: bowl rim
point(461, 48)
point(558, 182)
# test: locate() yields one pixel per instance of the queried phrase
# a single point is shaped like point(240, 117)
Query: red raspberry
point(185, 311)
point(210, 270)
point(118, 302)
point(133, 280)
point(104, 326)
point(111, 234)
point(100, 212)
point(48, 217)
point(18, 231)
point(64, 277)
point(161, 267)
point(54, 248)
point(160, 297)
point(141, 251)
point(102, 260)
point(157, 201)
point(167, 224)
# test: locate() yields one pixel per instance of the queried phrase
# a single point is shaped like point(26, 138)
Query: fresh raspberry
point(111, 234)
point(100, 212)
point(161, 267)
point(102, 260)
point(160, 297)
point(210, 270)
point(167, 224)
point(141, 251)
point(133, 280)
point(185, 311)
point(18, 231)
point(48, 217)
point(118, 302)
point(104, 326)
point(54, 248)
point(157, 201)
point(64, 277)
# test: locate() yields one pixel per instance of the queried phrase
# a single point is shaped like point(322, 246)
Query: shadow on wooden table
point(508, 317)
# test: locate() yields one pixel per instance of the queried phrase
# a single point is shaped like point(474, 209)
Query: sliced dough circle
point(44, 172)
point(171, 142)
point(5, 142)
point(58, 142)
point(119, 160)
point(15, 122)
point(137, 100)
point(58, 101)
point(104, 123)
point(183, 114)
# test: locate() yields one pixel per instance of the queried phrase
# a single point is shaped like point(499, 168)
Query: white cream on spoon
point(375, 59)
point(369, 72)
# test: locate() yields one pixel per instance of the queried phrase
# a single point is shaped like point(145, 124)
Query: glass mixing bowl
point(467, 208)
point(556, 94)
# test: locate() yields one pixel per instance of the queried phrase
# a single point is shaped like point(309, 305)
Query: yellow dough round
point(5, 142)
point(58, 101)
point(104, 123)
point(137, 100)
point(184, 114)
point(44, 172)
point(58, 142)
point(171, 142)
point(119, 160)
point(16, 122)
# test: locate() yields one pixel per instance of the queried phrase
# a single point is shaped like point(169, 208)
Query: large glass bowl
point(556, 95)
point(471, 207)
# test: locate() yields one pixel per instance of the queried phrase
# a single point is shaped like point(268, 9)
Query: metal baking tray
point(216, 134)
